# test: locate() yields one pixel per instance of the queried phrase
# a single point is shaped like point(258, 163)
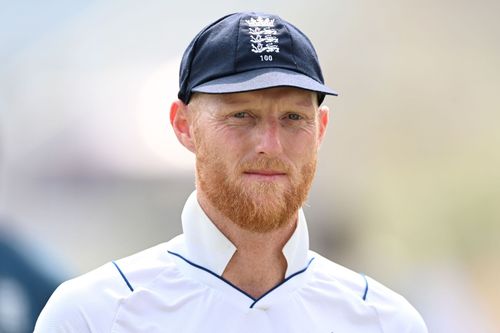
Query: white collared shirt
point(178, 287)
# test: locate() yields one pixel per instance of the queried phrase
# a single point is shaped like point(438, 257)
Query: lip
point(266, 172)
point(268, 175)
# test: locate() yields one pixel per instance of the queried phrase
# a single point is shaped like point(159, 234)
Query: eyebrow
point(228, 99)
point(305, 102)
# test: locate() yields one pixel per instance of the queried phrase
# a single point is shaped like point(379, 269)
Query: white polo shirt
point(178, 287)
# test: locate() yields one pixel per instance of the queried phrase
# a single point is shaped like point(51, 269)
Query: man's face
point(256, 153)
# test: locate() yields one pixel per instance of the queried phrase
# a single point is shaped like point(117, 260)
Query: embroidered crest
point(262, 36)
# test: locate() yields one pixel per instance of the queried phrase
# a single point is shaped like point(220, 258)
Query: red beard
point(260, 206)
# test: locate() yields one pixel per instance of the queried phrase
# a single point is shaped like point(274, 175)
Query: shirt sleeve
point(62, 314)
point(395, 313)
point(85, 304)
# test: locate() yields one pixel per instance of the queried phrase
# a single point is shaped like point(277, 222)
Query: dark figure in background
point(26, 282)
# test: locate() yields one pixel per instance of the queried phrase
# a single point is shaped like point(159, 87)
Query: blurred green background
point(408, 184)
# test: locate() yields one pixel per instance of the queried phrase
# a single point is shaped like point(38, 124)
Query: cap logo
point(263, 37)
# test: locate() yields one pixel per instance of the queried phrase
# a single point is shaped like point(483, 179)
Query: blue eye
point(294, 116)
point(240, 115)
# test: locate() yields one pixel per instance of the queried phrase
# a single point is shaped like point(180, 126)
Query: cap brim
point(261, 79)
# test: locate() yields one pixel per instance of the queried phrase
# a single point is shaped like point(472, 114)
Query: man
point(249, 109)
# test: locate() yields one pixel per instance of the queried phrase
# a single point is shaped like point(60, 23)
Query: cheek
point(217, 153)
point(233, 144)
point(301, 146)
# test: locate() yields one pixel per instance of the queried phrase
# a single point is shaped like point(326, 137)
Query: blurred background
point(408, 184)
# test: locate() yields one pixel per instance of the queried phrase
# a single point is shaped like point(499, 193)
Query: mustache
point(266, 163)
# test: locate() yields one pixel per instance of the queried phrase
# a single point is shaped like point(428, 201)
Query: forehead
point(282, 95)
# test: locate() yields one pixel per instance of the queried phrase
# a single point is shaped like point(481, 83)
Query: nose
point(269, 138)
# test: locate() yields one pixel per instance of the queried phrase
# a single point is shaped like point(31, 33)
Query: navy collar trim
point(255, 300)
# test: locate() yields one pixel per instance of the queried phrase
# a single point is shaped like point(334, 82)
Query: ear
point(323, 117)
point(181, 123)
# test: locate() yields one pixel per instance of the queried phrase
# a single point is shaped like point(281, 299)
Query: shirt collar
point(208, 247)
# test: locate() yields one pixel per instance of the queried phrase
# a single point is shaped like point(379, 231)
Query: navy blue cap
point(249, 51)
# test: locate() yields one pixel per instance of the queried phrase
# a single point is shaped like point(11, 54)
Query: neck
point(258, 263)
